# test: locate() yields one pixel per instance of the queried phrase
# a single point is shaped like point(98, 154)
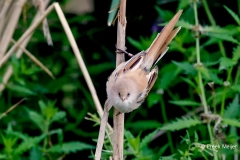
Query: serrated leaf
point(217, 30)
point(28, 143)
point(234, 15)
point(236, 54)
point(225, 63)
point(185, 103)
point(144, 124)
point(223, 37)
point(182, 123)
point(113, 11)
point(232, 110)
point(147, 139)
point(187, 67)
point(69, 147)
point(231, 122)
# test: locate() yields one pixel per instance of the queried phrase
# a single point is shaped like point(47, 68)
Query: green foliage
point(194, 77)
point(181, 124)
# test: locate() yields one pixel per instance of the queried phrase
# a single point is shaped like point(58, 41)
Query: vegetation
point(192, 111)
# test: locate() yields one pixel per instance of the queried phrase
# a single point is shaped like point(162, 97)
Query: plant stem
point(225, 91)
point(164, 114)
point(212, 22)
point(237, 76)
point(203, 97)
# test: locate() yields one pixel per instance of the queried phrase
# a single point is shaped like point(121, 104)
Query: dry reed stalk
point(11, 26)
point(26, 34)
point(79, 58)
point(4, 7)
point(11, 108)
point(9, 70)
point(102, 130)
point(118, 120)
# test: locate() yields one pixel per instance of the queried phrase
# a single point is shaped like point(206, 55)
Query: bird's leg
point(118, 50)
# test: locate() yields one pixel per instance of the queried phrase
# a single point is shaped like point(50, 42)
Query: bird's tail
point(160, 45)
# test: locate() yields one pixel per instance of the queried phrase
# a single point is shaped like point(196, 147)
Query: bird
point(129, 84)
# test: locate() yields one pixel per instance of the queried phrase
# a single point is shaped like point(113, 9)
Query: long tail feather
point(165, 37)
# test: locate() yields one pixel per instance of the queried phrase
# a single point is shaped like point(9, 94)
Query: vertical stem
point(225, 91)
point(118, 119)
point(165, 119)
point(212, 21)
point(202, 94)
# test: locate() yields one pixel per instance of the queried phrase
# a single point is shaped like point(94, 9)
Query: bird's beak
point(123, 98)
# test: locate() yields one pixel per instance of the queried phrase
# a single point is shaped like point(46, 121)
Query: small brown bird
point(131, 81)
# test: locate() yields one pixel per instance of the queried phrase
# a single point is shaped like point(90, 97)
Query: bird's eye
point(128, 94)
point(119, 94)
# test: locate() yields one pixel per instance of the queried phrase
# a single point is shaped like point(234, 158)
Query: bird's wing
point(152, 77)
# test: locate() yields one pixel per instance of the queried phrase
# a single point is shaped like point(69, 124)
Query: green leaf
point(223, 37)
point(234, 15)
point(167, 79)
point(58, 116)
point(187, 67)
point(195, 137)
point(189, 82)
point(182, 4)
point(184, 24)
point(171, 157)
point(231, 122)
point(20, 89)
point(69, 147)
point(3, 156)
point(164, 14)
point(152, 99)
point(143, 43)
point(28, 143)
point(217, 30)
point(35, 154)
point(113, 11)
point(185, 103)
point(144, 124)
point(236, 54)
point(148, 138)
point(37, 119)
point(133, 142)
point(181, 124)
point(232, 110)
point(236, 88)
point(225, 63)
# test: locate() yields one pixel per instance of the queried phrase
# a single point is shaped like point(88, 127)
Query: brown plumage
point(131, 81)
